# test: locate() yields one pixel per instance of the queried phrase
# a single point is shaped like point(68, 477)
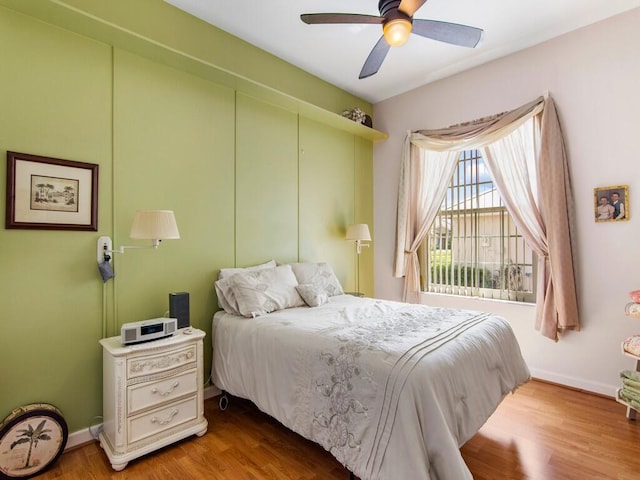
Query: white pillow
point(226, 298)
point(227, 272)
point(263, 291)
point(318, 274)
point(313, 295)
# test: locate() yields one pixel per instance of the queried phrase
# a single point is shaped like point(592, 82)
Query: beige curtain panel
point(524, 152)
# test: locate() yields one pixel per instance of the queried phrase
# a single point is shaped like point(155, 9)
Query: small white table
point(152, 394)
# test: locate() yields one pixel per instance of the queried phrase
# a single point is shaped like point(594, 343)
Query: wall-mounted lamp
point(154, 225)
point(360, 233)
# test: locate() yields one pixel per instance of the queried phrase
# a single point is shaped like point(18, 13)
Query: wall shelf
point(112, 23)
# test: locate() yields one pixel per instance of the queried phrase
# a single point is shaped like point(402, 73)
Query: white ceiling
point(336, 53)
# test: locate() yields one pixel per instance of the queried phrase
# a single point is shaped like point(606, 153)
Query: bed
point(392, 390)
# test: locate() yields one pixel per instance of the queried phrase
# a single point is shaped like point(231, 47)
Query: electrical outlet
point(104, 245)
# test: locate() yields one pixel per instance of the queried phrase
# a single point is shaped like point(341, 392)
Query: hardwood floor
point(542, 432)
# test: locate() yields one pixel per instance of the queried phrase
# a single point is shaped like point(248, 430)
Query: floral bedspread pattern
point(353, 385)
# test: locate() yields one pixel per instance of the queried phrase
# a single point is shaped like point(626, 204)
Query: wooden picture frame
point(50, 193)
point(611, 204)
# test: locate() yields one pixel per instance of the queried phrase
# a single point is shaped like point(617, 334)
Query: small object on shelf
point(632, 309)
point(32, 438)
point(632, 345)
point(635, 296)
point(354, 114)
point(358, 116)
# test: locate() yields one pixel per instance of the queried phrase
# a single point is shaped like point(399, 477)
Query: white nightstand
point(152, 394)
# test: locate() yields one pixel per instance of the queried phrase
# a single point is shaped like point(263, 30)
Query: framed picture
point(611, 203)
point(50, 193)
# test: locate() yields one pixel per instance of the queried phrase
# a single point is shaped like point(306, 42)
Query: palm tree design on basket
point(33, 437)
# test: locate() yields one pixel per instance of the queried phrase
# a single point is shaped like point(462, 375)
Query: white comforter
point(392, 390)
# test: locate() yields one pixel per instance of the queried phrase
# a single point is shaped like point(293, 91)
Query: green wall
point(266, 190)
point(248, 180)
point(55, 100)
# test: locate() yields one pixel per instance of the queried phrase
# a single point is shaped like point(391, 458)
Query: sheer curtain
point(423, 192)
point(524, 152)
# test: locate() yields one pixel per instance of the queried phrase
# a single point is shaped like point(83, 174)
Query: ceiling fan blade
point(320, 18)
point(375, 59)
point(410, 6)
point(453, 33)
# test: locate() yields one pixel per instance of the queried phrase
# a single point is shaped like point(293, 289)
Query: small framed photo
point(50, 193)
point(611, 203)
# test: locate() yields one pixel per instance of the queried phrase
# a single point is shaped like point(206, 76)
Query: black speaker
point(179, 308)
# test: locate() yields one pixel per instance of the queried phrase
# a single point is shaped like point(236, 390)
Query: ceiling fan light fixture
point(396, 32)
point(396, 19)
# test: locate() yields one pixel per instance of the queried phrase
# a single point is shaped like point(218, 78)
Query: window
point(474, 248)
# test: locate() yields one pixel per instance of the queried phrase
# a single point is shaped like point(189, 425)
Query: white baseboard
point(579, 383)
point(82, 437)
point(88, 435)
point(211, 391)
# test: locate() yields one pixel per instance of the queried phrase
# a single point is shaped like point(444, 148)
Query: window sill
point(427, 295)
point(516, 312)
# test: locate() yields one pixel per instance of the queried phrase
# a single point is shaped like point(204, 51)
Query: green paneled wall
point(55, 100)
point(327, 172)
point(267, 183)
point(173, 149)
point(364, 208)
point(248, 181)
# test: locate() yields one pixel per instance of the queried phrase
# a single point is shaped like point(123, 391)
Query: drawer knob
point(169, 391)
point(173, 413)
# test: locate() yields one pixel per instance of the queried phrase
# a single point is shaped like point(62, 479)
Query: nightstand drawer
point(147, 395)
point(162, 419)
point(151, 364)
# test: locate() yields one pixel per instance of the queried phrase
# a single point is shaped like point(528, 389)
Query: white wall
point(593, 75)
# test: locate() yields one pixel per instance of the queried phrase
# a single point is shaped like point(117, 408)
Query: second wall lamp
point(358, 232)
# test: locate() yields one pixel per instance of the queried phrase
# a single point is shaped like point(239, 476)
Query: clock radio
point(136, 332)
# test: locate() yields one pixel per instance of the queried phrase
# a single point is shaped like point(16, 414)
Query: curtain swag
point(524, 152)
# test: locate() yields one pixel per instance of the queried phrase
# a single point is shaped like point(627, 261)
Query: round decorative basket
point(32, 438)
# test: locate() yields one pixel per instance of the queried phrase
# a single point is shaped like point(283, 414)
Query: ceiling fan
point(396, 18)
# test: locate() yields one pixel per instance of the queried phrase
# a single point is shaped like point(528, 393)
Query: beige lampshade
point(358, 231)
point(154, 225)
